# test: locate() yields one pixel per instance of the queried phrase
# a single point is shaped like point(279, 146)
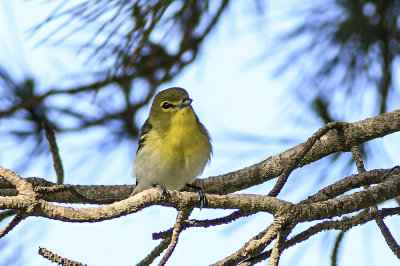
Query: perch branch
point(355, 133)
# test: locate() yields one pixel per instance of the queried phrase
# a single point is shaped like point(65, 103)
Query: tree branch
point(156, 252)
point(51, 138)
point(30, 197)
point(57, 259)
point(206, 223)
point(381, 224)
point(354, 133)
point(304, 148)
point(334, 141)
point(14, 222)
point(178, 228)
point(344, 224)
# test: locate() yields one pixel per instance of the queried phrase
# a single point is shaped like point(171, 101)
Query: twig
point(335, 250)
point(36, 99)
point(223, 220)
point(381, 224)
point(255, 245)
point(57, 259)
point(156, 252)
point(51, 138)
point(388, 237)
point(157, 14)
point(7, 213)
point(14, 222)
point(301, 153)
point(182, 216)
point(358, 159)
point(278, 247)
point(205, 223)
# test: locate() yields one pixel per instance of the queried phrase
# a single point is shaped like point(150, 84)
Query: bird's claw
point(202, 196)
point(165, 192)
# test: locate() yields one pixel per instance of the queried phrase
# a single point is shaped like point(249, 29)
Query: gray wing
point(143, 134)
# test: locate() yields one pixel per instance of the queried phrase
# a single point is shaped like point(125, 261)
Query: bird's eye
point(166, 105)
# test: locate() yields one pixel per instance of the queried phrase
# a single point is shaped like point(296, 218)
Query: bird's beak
point(185, 102)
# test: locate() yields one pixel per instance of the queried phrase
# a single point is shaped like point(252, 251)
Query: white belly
point(150, 170)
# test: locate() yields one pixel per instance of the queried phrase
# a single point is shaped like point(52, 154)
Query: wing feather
point(143, 134)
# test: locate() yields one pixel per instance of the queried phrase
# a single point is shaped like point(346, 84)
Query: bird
point(174, 146)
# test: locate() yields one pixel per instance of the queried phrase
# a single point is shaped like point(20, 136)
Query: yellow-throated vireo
point(174, 146)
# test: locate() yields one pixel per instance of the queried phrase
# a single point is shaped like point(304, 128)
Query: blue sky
point(233, 97)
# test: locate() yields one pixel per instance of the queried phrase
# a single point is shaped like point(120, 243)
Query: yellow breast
point(186, 142)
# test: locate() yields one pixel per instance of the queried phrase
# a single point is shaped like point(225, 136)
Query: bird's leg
point(164, 191)
point(202, 196)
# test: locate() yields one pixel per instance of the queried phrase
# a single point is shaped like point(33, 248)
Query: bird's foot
point(202, 196)
point(165, 192)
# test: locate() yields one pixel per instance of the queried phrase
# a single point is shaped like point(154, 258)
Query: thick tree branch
point(138, 202)
point(351, 182)
point(334, 141)
point(387, 189)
